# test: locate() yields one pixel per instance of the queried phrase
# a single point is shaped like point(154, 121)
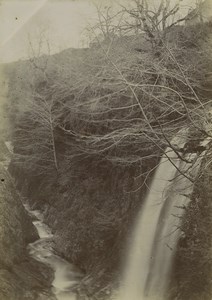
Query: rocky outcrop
point(191, 274)
point(21, 277)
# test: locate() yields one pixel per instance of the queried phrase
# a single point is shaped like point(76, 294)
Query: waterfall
point(157, 230)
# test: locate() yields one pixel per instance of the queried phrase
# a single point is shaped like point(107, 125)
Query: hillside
point(21, 277)
point(89, 127)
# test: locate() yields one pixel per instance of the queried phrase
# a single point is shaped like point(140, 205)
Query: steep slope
point(20, 276)
point(104, 152)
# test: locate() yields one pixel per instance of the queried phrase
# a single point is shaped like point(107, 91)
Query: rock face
point(21, 277)
point(191, 276)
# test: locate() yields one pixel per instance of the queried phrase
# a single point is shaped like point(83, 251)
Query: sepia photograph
point(105, 149)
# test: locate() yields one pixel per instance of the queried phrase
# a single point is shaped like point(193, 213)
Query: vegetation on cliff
point(193, 261)
point(21, 277)
point(90, 125)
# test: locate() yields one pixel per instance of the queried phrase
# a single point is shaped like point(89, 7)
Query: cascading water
point(66, 276)
point(158, 228)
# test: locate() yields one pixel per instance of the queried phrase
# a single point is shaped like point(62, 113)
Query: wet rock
point(21, 277)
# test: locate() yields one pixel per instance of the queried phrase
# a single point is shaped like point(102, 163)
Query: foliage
point(192, 269)
point(90, 125)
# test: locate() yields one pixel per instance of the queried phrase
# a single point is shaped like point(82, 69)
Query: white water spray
point(66, 276)
point(157, 230)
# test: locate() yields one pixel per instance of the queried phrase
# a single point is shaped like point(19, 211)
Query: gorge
point(106, 168)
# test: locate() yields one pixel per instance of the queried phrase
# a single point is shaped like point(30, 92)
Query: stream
point(66, 275)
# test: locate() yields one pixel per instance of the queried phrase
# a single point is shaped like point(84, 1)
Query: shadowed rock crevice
point(21, 277)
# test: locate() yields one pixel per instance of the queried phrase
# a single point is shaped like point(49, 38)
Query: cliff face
point(191, 276)
point(16, 227)
point(20, 276)
point(90, 214)
point(91, 196)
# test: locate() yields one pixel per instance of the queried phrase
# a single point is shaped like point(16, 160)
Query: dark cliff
point(20, 276)
point(88, 172)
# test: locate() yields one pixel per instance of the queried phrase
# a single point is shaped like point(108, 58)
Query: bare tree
point(39, 50)
point(120, 104)
point(153, 19)
point(160, 92)
point(37, 112)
